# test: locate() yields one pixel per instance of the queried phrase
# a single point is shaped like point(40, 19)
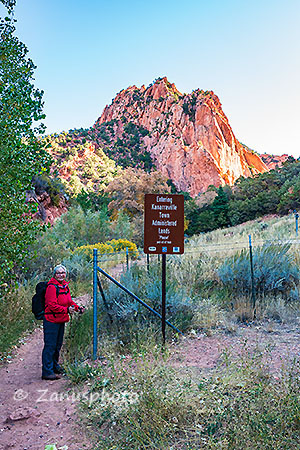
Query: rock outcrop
point(189, 136)
point(47, 211)
point(273, 161)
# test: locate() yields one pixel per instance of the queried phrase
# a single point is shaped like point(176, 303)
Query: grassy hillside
point(147, 399)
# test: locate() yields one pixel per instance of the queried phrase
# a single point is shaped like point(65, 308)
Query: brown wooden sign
point(164, 224)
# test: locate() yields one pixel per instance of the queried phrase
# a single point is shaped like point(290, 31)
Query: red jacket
point(56, 307)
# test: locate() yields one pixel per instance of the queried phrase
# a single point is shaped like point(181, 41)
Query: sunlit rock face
point(190, 139)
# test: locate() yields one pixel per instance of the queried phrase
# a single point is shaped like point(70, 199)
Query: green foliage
point(274, 267)
point(83, 169)
point(78, 267)
point(53, 186)
point(73, 229)
point(79, 340)
point(131, 317)
point(77, 228)
point(127, 151)
point(128, 190)
point(210, 217)
point(272, 192)
point(21, 153)
point(91, 201)
point(9, 4)
point(189, 107)
point(16, 317)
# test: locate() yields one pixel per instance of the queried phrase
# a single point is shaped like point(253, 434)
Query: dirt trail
point(36, 412)
point(32, 411)
point(280, 344)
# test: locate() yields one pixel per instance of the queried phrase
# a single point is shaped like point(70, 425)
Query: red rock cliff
point(190, 139)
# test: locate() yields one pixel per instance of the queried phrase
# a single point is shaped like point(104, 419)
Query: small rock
point(20, 414)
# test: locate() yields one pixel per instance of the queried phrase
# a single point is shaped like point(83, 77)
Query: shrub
point(113, 246)
point(274, 271)
point(45, 254)
point(79, 269)
point(147, 286)
point(79, 338)
point(15, 316)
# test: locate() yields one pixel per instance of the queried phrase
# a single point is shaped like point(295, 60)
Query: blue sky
point(247, 52)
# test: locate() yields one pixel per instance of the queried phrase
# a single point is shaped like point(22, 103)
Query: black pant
point(53, 339)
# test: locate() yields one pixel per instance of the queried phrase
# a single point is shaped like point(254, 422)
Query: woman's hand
point(71, 309)
point(81, 309)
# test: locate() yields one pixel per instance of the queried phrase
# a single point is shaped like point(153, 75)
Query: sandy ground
point(279, 343)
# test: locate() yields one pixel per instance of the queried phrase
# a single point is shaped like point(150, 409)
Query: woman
point(58, 306)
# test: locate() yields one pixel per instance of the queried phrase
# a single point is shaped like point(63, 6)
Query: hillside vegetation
point(274, 192)
point(145, 402)
point(140, 400)
point(90, 176)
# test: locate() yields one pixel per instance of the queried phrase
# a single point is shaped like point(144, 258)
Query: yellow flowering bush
point(108, 247)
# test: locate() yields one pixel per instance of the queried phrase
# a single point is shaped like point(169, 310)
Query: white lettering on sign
point(164, 207)
point(164, 230)
point(164, 199)
point(164, 215)
point(164, 223)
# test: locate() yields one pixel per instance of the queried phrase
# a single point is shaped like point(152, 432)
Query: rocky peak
point(189, 137)
point(161, 88)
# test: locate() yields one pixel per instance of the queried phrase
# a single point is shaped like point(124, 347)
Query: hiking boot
point(51, 377)
point(59, 370)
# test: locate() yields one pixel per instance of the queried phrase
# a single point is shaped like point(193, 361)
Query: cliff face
point(189, 138)
point(273, 161)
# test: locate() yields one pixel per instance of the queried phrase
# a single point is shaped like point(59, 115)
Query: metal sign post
point(163, 298)
point(164, 234)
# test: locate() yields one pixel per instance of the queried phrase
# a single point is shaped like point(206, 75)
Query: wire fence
point(126, 259)
point(255, 267)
